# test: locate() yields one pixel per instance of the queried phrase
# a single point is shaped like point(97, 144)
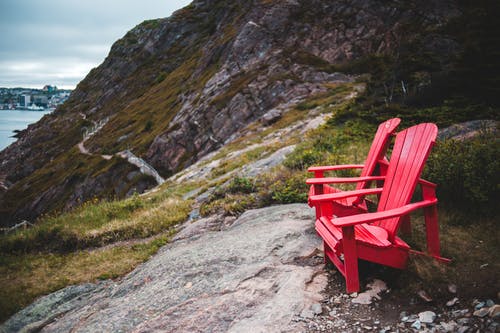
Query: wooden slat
point(403, 176)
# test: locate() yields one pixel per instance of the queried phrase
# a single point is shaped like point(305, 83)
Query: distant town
point(31, 99)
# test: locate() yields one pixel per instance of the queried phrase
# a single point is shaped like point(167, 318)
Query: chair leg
point(432, 230)
point(350, 259)
point(406, 226)
point(327, 251)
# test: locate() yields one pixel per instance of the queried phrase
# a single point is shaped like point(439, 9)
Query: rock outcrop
point(178, 88)
point(256, 275)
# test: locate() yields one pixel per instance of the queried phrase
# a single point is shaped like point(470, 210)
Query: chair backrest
point(378, 148)
point(410, 152)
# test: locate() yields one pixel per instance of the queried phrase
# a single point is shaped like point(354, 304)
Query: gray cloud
point(58, 41)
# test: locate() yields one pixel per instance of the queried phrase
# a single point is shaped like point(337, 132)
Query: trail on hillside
point(143, 166)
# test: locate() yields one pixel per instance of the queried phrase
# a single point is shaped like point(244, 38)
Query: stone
point(449, 326)
point(374, 289)
point(427, 317)
point(489, 303)
point(452, 288)
point(423, 295)
point(479, 305)
point(240, 279)
point(452, 302)
point(307, 314)
point(337, 300)
point(482, 312)
point(459, 313)
point(316, 308)
point(271, 117)
point(411, 318)
point(462, 329)
point(416, 325)
point(494, 311)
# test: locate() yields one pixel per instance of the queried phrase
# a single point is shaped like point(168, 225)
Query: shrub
point(283, 186)
point(241, 185)
point(467, 173)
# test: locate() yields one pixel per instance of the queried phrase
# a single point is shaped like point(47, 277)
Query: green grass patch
point(25, 277)
point(99, 223)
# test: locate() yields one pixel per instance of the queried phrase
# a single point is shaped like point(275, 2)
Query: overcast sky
point(58, 42)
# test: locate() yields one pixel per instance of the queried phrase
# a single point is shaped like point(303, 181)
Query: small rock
point(376, 322)
point(452, 302)
point(423, 295)
point(449, 327)
point(354, 295)
point(405, 318)
point(460, 313)
point(427, 317)
point(452, 288)
point(332, 313)
point(402, 315)
point(482, 312)
point(337, 300)
point(483, 266)
point(479, 305)
point(416, 325)
point(489, 303)
point(373, 290)
point(463, 329)
point(316, 308)
point(411, 318)
point(271, 117)
point(494, 311)
point(188, 285)
point(307, 314)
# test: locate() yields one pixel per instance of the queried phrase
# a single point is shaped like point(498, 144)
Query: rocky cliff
point(175, 89)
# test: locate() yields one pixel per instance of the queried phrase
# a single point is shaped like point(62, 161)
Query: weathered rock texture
point(254, 276)
point(176, 89)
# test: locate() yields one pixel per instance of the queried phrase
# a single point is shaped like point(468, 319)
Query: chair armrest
point(372, 217)
point(318, 170)
point(332, 180)
point(428, 189)
point(426, 183)
point(342, 195)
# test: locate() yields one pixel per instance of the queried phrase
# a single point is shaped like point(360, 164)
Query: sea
point(11, 120)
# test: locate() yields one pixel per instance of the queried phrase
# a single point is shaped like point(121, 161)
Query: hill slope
point(172, 90)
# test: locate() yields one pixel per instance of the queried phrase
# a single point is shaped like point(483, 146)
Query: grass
point(99, 223)
point(25, 277)
point(473, 248)
point(68, 248)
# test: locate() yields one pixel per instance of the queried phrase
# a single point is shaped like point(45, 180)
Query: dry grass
point(25, 277)
point(100, 223)
point(473, 249)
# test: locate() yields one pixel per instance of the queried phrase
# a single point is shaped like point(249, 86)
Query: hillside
point(172, 90)
point(196, 131)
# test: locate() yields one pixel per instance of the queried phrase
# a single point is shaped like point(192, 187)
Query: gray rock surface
point(247, 278)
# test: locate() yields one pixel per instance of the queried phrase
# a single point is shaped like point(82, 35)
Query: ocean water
point(11, 120)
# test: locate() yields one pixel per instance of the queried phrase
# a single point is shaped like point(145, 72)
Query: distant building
point(24, 100)
point(41, 100)
point(49, 88)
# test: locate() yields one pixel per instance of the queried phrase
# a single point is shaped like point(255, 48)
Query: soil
point(398, 308)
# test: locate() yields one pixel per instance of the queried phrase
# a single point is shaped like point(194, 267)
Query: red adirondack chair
point(371, 167)
point(373, 236)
